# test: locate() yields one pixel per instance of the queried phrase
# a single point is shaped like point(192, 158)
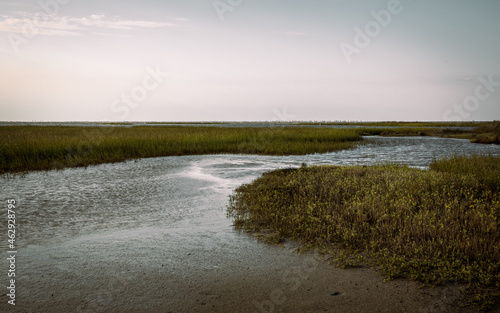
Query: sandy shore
point(274, 280)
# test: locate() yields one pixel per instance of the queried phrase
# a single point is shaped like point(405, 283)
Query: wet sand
point(254, 277)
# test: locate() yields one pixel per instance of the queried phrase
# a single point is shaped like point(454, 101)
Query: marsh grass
point(432, 124)
point(428, 225)
point(484, 132)
point(418, 131)
point(485, 168)
point(400, 131)
point(488, 133)
point(399, 124)
point(24, 148)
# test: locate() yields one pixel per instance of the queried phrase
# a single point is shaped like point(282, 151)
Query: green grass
point(485, 132)
point(488, 133)
point(486, 168)
point(24, 148)
point(432, 225)
point(400, 131)
point(399, 124)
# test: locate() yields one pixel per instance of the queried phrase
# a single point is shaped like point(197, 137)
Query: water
point(79, 228)
point(210, 124)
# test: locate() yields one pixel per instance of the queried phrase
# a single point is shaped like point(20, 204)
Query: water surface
point(81, 228)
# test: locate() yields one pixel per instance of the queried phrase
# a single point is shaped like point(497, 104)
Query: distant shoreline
point(26, 147)
point(247, 123)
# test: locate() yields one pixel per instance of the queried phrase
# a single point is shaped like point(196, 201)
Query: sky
point(249, 60)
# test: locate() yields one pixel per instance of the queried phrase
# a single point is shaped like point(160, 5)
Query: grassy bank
point(432, 225)
point(398, 124)
point(24, 148)
point(484, 132)
point(488, 133)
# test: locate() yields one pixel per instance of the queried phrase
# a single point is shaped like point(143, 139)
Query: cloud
point(53, 25)
point(24, 5)
point(99, 20)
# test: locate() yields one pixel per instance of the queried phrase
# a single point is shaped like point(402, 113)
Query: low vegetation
point(434, 226)
point(488, 133)
point(398, 124)
point(486, 168)
point(484, 132)
point(24, 148)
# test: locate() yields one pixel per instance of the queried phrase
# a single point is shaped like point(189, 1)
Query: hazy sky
point(202, 60)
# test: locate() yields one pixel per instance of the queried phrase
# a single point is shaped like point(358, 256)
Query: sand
point(274, 279)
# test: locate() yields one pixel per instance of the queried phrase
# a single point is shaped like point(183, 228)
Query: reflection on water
point(79, 226)
point(163, 192)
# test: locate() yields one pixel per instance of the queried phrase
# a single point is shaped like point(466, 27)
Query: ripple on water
point(172, 191)
point(81, 227)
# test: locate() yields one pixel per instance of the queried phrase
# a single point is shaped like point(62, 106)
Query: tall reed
point(24, 148)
